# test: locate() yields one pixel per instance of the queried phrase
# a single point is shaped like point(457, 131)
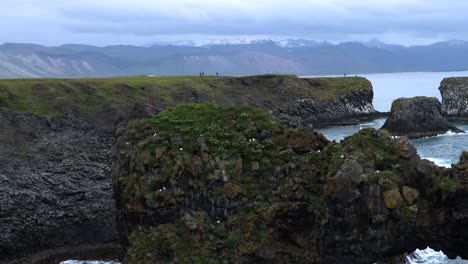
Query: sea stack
point(417, 117)
point(454, 93)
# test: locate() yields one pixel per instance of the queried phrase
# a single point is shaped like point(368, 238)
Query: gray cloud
point(135, 21)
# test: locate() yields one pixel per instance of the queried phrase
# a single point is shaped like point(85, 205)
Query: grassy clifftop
point(52, 97)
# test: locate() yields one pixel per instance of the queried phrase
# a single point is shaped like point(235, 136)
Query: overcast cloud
point(106, 22)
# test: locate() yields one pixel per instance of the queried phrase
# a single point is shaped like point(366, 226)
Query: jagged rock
point(404, 148)
point(454, 93)
point(349, 174)
point(426, 167)
point(410, 194)
point(393, 199)
point(417, 117)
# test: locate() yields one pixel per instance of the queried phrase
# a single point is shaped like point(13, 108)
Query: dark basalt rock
point(454, 93)
point(191, 190)
point(417, 117)
point(56, 187)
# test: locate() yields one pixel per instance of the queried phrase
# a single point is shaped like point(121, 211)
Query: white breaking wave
point(440, 162)
point(88, 262)
point(448, 134)
point(430, 256)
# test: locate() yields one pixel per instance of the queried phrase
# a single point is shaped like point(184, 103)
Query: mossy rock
point(225, 178)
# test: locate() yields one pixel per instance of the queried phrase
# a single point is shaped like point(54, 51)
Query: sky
point(137, 22)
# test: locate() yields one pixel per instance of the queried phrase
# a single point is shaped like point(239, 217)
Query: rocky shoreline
point(57, 137)
point(58, 155)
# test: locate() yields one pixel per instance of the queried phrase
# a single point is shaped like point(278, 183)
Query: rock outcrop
point(454, 93)
point(56, 138)
point(417, 117)
point(202, 184)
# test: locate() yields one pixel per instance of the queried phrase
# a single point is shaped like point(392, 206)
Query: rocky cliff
point(417, 117)
point(205, 184)
point(57, 135)
point(454, 93)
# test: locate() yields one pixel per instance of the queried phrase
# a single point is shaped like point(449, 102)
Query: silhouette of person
point(217, 74)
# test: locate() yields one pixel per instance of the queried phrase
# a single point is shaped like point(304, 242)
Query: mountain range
point(291, 56)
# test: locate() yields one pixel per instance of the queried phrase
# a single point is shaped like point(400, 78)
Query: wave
point(447, 134)
point(88, 262)
point(440, 162)
point(430, 256)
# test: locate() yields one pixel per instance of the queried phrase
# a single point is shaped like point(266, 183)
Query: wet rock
point(417, 117)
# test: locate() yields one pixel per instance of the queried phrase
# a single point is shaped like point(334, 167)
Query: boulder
point(417, 117)
point(410, 194)
point(393, 198)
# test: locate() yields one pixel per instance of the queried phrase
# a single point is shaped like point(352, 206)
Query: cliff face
point(202, 184)
point(55, 188)
point(57, 136)
point(454, 93)
point(417, 117)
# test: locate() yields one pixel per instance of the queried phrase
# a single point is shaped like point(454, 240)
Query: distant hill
point(300, 57)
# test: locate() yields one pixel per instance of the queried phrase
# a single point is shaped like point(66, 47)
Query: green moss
point(52, 97)
point(448, 185)
point(221, 154)
point(386, 179)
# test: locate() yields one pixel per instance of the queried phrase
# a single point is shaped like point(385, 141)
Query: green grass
point(52, 97)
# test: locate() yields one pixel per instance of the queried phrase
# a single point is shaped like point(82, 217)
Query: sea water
point(443, 149)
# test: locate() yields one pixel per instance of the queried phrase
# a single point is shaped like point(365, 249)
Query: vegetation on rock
point(208, 184)
point(230, 185)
